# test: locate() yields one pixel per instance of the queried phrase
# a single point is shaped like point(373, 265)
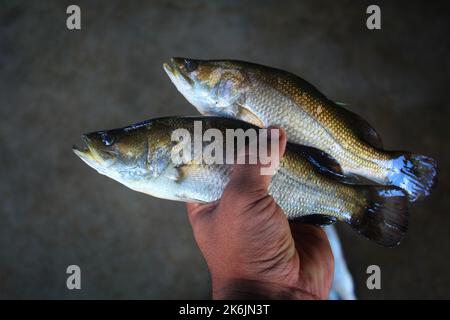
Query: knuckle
point(235, 191)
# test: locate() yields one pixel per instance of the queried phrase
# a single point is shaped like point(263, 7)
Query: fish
point(139, 156)
point(342, 287)
point(340, 142)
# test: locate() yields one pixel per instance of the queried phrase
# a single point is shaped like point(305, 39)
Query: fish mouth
point(83, 152)
point(99, 159)
point(176, 73)
point(88, 152)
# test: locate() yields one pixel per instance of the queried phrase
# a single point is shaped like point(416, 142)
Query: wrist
point(228, 289)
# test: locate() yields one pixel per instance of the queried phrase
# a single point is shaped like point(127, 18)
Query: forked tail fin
point(414, 173)
point(384, 217)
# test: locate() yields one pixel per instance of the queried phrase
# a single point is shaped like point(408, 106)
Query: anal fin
point(317, 219)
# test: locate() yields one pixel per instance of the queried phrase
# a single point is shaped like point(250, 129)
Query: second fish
point(342, 142)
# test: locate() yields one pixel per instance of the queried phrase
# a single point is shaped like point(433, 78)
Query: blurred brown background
point(56, 84)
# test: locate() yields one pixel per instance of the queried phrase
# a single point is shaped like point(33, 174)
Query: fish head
point(131, 155)
point(212, 86)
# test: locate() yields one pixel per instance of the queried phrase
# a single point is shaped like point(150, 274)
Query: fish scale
point(305, 125)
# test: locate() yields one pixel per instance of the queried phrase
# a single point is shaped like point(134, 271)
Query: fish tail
point(384, 216)
point(414, 173)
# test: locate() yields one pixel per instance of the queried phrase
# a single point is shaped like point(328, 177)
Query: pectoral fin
point(246, 115)
point(173, 173)
point(189, 170)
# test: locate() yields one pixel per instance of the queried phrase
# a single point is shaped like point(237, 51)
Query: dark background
point(56, 84)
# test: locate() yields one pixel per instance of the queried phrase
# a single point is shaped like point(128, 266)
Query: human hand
point(251, 249)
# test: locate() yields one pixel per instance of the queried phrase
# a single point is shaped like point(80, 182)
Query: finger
point(316, 257)
point(311, 243)
point(195, 210)
point(307, 233)
point(282, 141)
point(254, 179)
point(193, 206)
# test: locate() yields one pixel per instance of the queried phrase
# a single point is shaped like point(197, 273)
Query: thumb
point(254, 179)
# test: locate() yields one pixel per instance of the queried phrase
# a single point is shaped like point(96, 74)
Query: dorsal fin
point(340, 104)
point(362, 128)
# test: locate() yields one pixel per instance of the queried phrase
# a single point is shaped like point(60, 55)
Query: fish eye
point(107, 139)
point(190, 65)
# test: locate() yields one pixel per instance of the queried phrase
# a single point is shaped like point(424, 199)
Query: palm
point(316, 257)
point(268, 247)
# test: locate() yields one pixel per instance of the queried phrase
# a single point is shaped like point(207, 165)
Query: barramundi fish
point(339, 140)
point(140, 156)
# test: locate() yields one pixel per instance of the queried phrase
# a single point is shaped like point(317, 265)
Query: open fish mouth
point(88, 153)
point(85, 148)
point(85, 152)
point(176, 74)
point(99, 159)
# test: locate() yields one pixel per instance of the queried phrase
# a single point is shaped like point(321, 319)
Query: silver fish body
point(140, 157)
point(266, 96)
